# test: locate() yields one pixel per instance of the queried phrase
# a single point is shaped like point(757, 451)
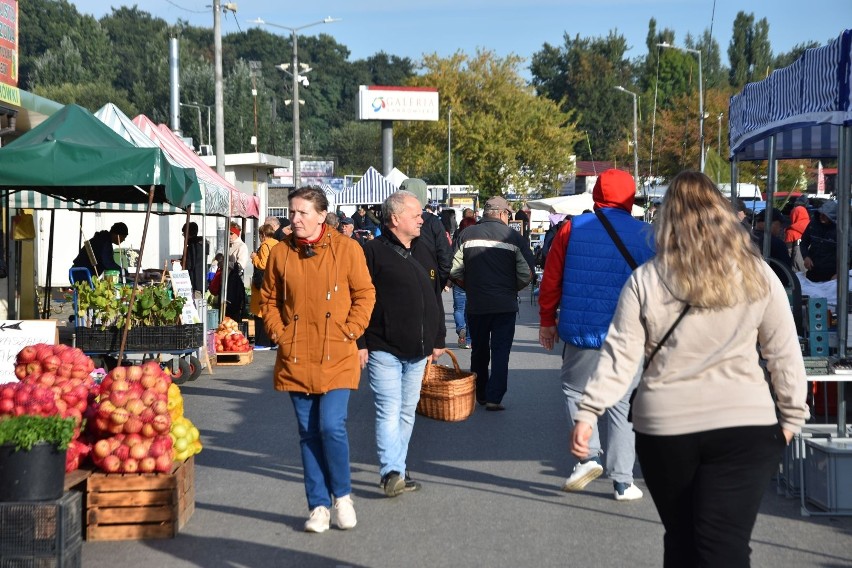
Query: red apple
point(160, 407)
point(130, 465)
point(138, 451)
point(102, 449)
point(162, 423)
point(122, 452)
point(135, 406)
point(119, 374)
point(51, 363)
point(134, 373)
point(27, 354)
point(148, 430)
point(132, 439)
point(147, 464)
point(111, 464)
point(119, 398)
point(133, 425)
point(149, 397)
point(119, 416)
point(164, 463)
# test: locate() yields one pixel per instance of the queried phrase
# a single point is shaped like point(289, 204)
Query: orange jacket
point(317, 306)
point(799, 220)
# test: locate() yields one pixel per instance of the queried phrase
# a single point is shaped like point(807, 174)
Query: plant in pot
point(32, 456)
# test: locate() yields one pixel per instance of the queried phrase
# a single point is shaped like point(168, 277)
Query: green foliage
point(26, 431)
point(89, 95)
point(504, 134)
point(103, 305)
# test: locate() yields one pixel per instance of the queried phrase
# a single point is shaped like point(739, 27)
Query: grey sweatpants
point(578, 365)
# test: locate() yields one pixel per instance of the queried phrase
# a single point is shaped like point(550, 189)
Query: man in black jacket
point(432, 231)
point(405, 331)
point(492, 264)
point(102, 247)
point(196, 262)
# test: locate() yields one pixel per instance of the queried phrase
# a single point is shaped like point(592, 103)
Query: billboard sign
point(397, 103)
point(9, 42)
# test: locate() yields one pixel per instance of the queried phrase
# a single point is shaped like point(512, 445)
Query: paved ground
point(490, 490)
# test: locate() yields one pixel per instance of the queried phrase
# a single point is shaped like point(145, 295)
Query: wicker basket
point(448, 393)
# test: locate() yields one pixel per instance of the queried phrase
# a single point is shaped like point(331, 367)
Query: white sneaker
point(583, 474)
point(318, 521)
point(344, 513)
point(625, 492)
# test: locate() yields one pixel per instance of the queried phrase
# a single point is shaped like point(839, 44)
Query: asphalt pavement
point(491, 488)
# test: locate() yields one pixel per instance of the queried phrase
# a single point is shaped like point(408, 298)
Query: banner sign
point(397, 103)
point(15, 335)
point(9, 44)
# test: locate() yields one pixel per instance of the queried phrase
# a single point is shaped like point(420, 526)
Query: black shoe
point(410, 484)
point(494, 407)
point(392, 484)
point(480, 402)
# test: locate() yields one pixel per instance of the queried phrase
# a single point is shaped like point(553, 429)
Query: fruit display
point(185, 436)
point(229, 339)
point(132, 421)
point(53, 379)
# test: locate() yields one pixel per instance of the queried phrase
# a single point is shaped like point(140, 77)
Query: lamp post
point(700, 96)
point(635, 136)
point(449, 149)
point(297, 78)
point(200, 133)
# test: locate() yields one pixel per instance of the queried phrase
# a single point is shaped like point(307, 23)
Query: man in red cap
point(591, 258)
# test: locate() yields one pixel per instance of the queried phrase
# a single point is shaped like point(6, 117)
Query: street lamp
point(635, 136)
point(297, 78)
point(700, 95)
point(200, 134)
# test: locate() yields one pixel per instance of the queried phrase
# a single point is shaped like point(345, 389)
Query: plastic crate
point(144, 338)
point(46, 533)
point(828, 468)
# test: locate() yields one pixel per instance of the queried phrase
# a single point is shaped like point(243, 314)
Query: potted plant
point(32, 456)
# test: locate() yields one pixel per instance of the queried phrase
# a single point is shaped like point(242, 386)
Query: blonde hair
point(704, 254)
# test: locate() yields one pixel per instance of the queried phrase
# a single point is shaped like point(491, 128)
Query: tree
point(582, 76)
point(739, 50)
point(91, 96)
point(503, 135)
point(761, 52)
point(784, 59)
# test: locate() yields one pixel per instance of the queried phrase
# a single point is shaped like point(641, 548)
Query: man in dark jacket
point(196, 263)
point(492, 264)
point(819, 244)
point(583, 277)
point(432, 231)
point(406, 329)
point(101, 244)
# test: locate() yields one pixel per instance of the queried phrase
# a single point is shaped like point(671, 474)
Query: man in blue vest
point(583, 277)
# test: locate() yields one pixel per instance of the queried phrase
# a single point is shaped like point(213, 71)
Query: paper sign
point(15, 335)
point(182, 286)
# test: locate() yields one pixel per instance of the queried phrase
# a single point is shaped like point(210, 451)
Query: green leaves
point(26, 431)
point(106, 305)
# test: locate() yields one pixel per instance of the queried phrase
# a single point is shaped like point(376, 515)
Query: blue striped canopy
point(373, 188)
point(804, 103)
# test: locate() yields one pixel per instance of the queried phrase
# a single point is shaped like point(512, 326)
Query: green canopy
point(74, 156)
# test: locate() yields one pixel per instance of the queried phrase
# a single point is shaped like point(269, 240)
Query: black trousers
point(707, 487)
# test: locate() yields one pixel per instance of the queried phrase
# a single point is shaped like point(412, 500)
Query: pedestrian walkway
point(491, 489)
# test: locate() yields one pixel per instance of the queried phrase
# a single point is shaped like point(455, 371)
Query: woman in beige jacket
point(710, 428)
point(317, 298)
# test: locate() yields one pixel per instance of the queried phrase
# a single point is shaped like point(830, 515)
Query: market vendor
point(101, 244)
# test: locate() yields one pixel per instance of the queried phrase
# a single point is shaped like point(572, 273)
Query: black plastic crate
point(141, 338)
point(43, 533)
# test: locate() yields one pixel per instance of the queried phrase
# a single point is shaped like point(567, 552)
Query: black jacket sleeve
point(443, 251)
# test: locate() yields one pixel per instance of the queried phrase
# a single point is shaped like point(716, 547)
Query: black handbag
point(257, 278)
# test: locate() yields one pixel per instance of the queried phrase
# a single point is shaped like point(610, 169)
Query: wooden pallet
point(234, 358)
point(125, 506)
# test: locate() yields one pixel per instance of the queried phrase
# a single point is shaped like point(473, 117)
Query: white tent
point(573, 204)
point(396, 177)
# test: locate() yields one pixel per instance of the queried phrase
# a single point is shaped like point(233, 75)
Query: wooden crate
point(234, 358)
point(125, 506)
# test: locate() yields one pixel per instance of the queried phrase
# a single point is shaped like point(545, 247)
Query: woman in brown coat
point(317, 298)
point(259, 258)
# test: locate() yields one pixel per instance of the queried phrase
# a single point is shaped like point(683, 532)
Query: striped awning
point(802, 106)
point(28, 199)
point(373, 188)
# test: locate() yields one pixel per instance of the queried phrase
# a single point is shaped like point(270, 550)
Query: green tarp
point(74, 156)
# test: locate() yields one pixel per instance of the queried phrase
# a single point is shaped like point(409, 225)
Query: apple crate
point(42, 533)
point(234, 357)
point(134, 506)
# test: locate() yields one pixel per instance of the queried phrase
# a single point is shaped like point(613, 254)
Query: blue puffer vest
point(595, 272)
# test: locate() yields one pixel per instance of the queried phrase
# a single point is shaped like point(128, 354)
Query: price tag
point(17, 334)
point(182, 286)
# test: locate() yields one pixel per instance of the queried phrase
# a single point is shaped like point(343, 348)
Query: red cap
point(235, 230)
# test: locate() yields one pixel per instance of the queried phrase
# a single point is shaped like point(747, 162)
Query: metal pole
point(844, 180)
point(209, 138)
point(219, 101)
point(200, 132)
point(700, 108)
point(387, 147)
point(635, 142)
point(449, 149)
point(297, 170)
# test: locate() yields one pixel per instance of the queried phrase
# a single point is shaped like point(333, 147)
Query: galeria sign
point(17, 334)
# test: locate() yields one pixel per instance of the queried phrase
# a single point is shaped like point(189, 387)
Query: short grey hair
point(332, 219)
point(395, 203)
point(272, 220)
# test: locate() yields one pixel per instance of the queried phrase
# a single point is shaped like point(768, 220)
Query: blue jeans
point(396, 391)
point(325, 444)
point(459, 303)
point(491, 339)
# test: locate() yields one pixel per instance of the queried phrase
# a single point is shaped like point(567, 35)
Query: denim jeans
point(396, 391)
point(491, 338)
point(325, 444)
point(459, 302)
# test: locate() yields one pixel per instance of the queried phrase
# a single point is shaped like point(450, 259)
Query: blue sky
point(414, 27)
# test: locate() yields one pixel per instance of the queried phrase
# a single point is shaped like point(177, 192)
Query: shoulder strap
point(616, 239)
point(665, 337)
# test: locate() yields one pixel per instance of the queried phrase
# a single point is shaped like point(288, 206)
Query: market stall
point(372, 189)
